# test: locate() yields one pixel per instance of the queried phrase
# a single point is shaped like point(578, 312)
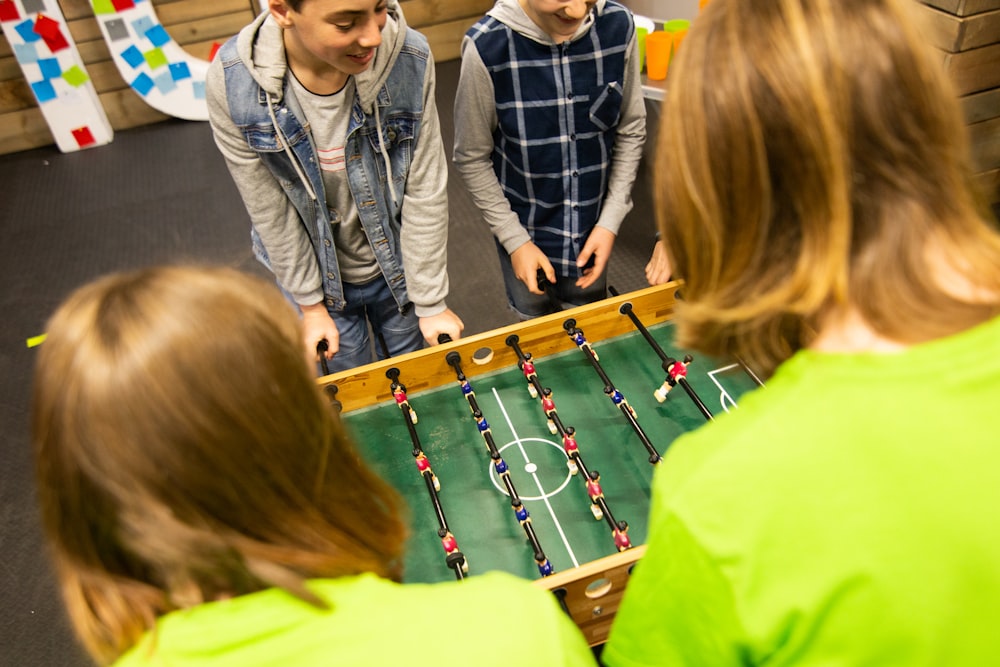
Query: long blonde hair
point(184, 452)
point(812, 156)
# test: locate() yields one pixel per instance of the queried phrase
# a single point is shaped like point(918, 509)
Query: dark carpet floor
point(157, 194)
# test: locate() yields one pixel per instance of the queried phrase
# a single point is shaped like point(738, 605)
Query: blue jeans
point(563, 294)
point(372, 304)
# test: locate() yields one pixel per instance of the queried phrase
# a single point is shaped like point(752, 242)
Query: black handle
point(321, 348)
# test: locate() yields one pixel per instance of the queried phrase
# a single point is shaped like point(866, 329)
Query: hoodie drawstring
point(385, 156)
point(288, 149)
point(298, 168)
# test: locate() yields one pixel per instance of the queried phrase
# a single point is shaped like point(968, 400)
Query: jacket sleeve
point(475, 121)
point(290, 253)
point(629, 141)
point(424, 234)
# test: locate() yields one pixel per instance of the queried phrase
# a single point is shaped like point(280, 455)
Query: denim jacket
point(273, 127)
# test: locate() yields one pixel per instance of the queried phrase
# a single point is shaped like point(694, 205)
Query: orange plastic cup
point(679, 29)
point(659, 45)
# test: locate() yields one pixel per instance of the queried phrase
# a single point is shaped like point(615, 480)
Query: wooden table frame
point(542, 336)
point(591, 592)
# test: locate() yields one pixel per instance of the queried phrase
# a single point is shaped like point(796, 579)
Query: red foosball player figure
point(596, 493)
point(549, 407)
point(676, 370)
point(528, 367)
point(450, 545)
point(424, 465)
point(399, 393)
point(571, 448)
point(622, 540)
point(661, 394)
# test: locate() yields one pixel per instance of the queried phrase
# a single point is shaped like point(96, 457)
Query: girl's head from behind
point(185, 453)
point(812, 159)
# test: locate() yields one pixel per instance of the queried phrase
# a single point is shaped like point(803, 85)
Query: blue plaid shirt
point(558, 108)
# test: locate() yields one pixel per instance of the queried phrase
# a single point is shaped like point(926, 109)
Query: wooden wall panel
point(196, 25)
point(15, 95)
point(964, 7)
point(422, 13)
point(985, 138)
point(957, 33)
point(968, 33)
point(444, 22)
point(9, 68)
point(976, 70)
point(446, 38)
point(125, 109)
point(989, 184)
point(981, 106)
point(24, 129)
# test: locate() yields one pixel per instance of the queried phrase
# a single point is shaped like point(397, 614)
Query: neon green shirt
point(489, 619)
point(847, 514)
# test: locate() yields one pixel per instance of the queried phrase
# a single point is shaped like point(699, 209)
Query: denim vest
point(400, 113)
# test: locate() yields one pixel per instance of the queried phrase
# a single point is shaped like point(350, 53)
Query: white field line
point(724, 397)
point(538, 483)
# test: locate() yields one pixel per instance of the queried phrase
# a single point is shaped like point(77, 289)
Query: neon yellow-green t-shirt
point(848, 513)
point(488, 619)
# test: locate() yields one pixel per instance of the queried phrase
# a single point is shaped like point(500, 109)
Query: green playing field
point(474, 501)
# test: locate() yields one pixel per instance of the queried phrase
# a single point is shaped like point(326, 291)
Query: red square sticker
point(83, 136)
point(8, 11)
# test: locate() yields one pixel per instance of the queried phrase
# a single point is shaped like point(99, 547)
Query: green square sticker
point(103, 7)
point(155, 58)
point(75, 76)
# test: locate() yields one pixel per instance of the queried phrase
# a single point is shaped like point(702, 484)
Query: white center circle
point(529, 467)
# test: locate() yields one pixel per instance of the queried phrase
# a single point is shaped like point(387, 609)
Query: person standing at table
point(815, 194)
point(325, 113)
point(549, 128)
point(205, 506)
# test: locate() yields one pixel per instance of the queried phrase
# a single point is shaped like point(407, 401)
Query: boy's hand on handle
point(445, 323)
point(526, 261)
point(598, 247)
point(658, 268)
point(317, 325)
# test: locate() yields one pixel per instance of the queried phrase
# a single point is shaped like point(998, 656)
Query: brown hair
point(185, 452)
point(812, 157)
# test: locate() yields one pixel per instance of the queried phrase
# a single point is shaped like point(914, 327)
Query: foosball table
point(531, 448)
